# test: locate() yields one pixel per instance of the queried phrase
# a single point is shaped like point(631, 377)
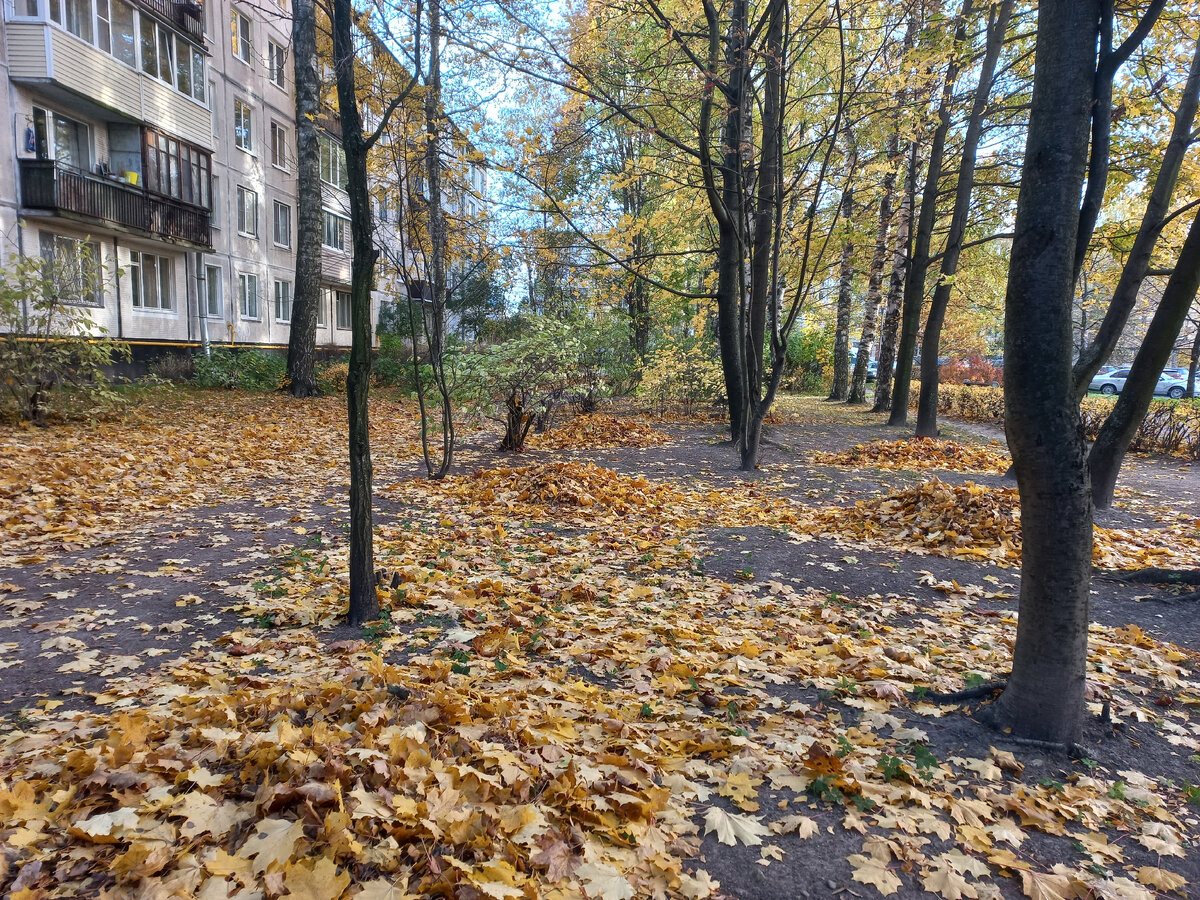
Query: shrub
point(523, 377)
point(331, 376)
point(684, 371)
point(51, 351)
point(808, 364)
point(251, 370)
point(173, 367)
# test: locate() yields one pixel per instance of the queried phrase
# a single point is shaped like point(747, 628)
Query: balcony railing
point(45, 185)
point(186, 15)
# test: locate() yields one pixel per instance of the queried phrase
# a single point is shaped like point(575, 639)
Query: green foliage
point(681, 370)
point(524, 377)
point(250, 370)
point(808, 364)
point(52, 354)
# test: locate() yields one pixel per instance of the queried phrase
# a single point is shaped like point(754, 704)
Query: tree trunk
point(932, 337)
point(1125, 295)
point(1122, 423)
point(914, 283)
point(841, 336)
point(437, 240)
point(891, 318)
point(364, 603)
point(858, 380)
point(1044, 697)
point(1192, 364)
point(306, 298)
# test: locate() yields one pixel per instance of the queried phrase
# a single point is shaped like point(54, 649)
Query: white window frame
point(337, 310)
point(163, 282)
point(243, 134)
point(343, 222)
point(276, 205)
point(62, 245)
point(290, 296)
point(333, 162)
point(245, 279)
point(277, 64)
point(279, 146)
point(241, 36)
point(246, 196)
point(214, 276)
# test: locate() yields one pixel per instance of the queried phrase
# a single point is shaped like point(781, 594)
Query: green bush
point(250, 370)
point(52, 354)
point(808, 363)
point(332, 375)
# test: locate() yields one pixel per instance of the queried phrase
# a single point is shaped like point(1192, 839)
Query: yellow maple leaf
point(315, 880)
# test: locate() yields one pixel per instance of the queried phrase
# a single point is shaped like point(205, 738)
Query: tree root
point(975, 693)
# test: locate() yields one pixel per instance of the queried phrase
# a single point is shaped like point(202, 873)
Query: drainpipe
point(202, 304)
point(117, 260)
point(187, 295)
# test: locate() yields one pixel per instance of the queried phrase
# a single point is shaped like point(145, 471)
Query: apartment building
point(157, 139)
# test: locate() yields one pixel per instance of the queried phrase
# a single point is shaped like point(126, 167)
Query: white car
point(1113, 382)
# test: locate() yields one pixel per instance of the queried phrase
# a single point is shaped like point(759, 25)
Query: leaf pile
point(596, 430)
point(973, 521)
point(917, 453)
point(73, 485)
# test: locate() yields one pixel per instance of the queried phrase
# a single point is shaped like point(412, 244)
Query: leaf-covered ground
point(629, 673)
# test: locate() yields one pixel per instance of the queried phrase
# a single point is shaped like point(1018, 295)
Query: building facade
point(156, 140)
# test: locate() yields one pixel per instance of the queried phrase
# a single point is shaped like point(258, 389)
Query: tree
point(302, 339)
point(1044, 696)
point(364, 603)
point(997, 26)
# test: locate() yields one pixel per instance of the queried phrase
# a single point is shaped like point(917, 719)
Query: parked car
point(872, 370)
point(1114, 382)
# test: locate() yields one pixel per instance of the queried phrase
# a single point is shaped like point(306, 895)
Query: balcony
point(184, 15)
point(46, 186)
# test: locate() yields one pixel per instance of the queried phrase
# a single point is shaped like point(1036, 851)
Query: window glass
point(248, 295)
point(283, 301)
point(334, 234)
point(72, 143)
point(149, 46)
point(198, 78)
point(212, 291)
point(77, 274)
point(150, 281)
point(166, 52)
point(79, 18)
point(240, 33)
point(278, 145)
point(103, 29)
point(183, 65)
point(124, 36)
point(243, 134)
point(343, 309)
point(277, 61)
point(283, 224)
point(247, 211)
point(333, 165)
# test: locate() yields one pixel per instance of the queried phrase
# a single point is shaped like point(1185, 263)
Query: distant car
point(1181, 374)
point(1114, 382)
point(872, 370)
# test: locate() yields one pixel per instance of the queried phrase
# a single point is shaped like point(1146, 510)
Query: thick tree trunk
point(890, 334)
point(1122, 423)
point(364, 603)
point(858, 379)
point(841, 336)
point(1125, 295)
point(1044, 697)
point(306, 298)
point(918, 267)
point(932, 337)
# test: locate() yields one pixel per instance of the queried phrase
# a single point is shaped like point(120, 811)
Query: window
point(76, 273)
point(78, 18)
point(248, 295)
point(150, 281)
point(283, 301)
point(279, 154)
point(276, 64)
point(321, 304)
point(64, 140)
point(158, 50)
point(213, 284)
point(343, 309)
point(177, 169)
point(282, 229)
point(247, 211)
point(243, 47)
point(243, 130)
point(124, 33)
point(333, 162)
point(103, 26)
point(335, 231)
